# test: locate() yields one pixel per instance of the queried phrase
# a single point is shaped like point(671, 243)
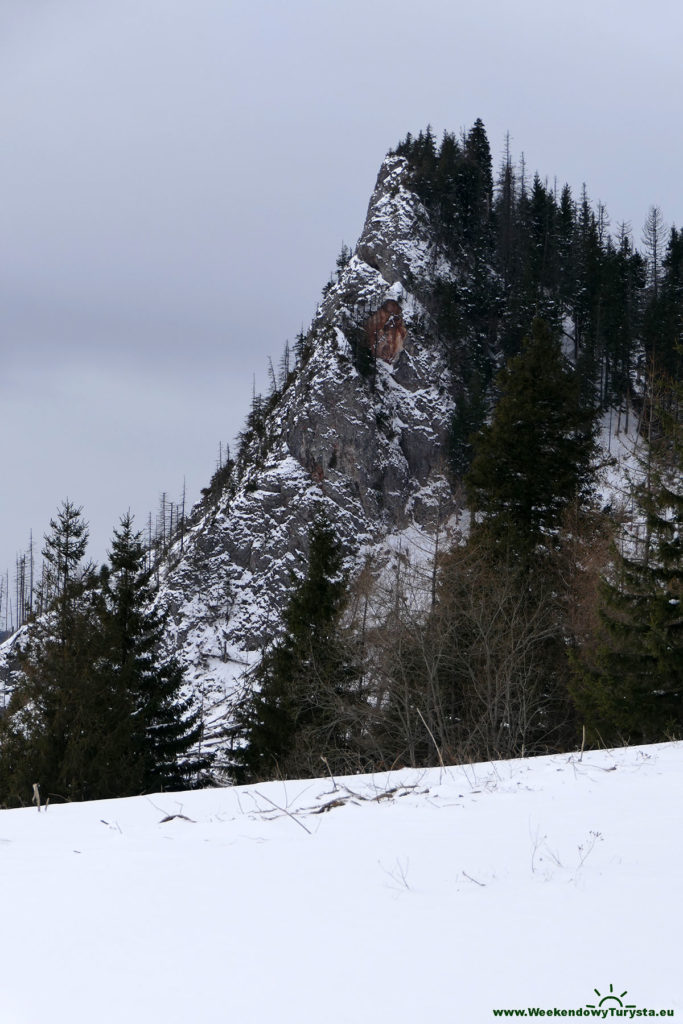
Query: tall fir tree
point(60, 730)
point(63, 551)
point(164, 726)
point(99, 711)
point(533, 460)
point(663, 318)
point(303, 703)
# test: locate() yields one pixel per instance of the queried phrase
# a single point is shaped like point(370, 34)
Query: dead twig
point(327, 765)
point(283, 810)
point(436, 745)
point(398, 875)
point(167, 815)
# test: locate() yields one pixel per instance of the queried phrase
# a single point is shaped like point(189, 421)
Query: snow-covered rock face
point(367, 449)
point(397, 239)
point(8, 666)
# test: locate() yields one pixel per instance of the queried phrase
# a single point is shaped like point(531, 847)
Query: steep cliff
point(361, 438)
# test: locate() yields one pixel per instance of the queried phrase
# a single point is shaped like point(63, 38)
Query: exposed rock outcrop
point(385, 332)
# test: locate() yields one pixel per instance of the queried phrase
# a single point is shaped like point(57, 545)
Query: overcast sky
point(177, 178)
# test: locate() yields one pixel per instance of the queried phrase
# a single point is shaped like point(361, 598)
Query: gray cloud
point(177, 180)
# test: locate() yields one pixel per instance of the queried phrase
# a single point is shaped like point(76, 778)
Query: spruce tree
point(63, 552)
point(164, 724)
point(533, 460)
point(622, 277)
point(62, 722)
point(99, 712)
point(566, 269)
point(302, 700)
point(663, 320)
point(504, 216)
point(588, 298)
point(475, 186)
point(468, 417)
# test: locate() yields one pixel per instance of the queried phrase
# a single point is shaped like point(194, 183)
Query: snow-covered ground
point(415, 896)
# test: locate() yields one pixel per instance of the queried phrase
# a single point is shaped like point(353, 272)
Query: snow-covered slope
point(551, 883)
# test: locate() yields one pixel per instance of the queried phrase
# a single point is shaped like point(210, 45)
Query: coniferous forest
point(554, 621)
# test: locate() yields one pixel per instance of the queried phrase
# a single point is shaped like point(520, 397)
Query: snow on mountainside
point(546, 884)
point(370, 453)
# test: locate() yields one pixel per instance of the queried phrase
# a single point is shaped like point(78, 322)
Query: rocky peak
point(397, 238)
point(364, 443)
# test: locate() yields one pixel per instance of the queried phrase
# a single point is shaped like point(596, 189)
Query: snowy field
point(550, 883)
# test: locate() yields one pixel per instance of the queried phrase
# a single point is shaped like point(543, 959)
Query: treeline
point(524, 248)
point(556, 623)
point(31, 591)
point(255, 439)
point(97, 707)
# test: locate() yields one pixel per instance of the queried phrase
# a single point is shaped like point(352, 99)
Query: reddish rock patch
point(386, 332)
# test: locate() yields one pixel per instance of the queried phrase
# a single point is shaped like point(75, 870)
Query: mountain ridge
point(367, 453)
